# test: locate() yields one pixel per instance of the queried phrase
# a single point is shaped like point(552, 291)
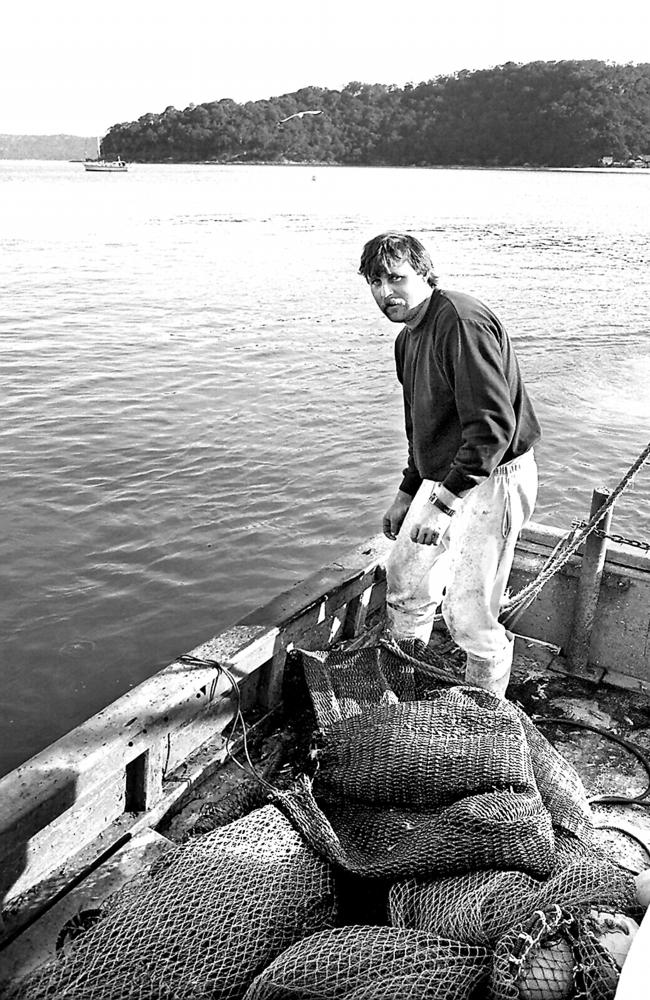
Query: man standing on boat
point(471, 479)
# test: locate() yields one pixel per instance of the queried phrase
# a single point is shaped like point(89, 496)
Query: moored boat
point(106, 166)
point(101, 805)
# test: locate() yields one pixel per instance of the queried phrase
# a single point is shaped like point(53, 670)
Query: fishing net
point(201, 923)
point(360, 963)
point(555, 955)
point(543, 937)
point(460, 789)
point(457, 781)
point(441, 849)
point(480, 907)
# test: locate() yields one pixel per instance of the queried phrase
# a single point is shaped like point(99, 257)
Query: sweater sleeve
point(411, 479)
point(471, 357)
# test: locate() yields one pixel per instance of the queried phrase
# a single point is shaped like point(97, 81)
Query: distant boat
point(101, 165)
point(106, 166)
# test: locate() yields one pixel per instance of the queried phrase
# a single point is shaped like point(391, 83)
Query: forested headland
point(554, 114)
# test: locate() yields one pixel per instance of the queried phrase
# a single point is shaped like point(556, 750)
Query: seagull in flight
point(299, 114)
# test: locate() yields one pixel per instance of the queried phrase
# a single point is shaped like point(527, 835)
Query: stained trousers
point(467, 571)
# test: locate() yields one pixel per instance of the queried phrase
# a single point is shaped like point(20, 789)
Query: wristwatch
point(437, 502)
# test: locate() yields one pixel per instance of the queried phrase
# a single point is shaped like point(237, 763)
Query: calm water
point(199, 404)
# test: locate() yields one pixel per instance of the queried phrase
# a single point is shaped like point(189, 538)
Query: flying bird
point(299, 114)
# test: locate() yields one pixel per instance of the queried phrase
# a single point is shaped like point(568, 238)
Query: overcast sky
point(80, 66)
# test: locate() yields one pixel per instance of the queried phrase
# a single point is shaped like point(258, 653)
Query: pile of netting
point(439, 817)
point(202, 922)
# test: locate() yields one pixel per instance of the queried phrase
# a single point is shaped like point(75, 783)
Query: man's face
point(400, 291)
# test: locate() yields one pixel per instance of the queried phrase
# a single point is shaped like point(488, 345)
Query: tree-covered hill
point(555, 114)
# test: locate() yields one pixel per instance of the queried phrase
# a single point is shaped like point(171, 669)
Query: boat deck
point(604, 732)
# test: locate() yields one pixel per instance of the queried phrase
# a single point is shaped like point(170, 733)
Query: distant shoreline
point(318, 164)
point(321, 165)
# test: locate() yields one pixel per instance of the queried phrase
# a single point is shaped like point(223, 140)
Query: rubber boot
point(492, 674)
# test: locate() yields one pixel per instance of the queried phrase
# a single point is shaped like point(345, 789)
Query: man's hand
point(395, 514)
point(431, 526)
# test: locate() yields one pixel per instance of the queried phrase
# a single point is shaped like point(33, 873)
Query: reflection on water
point(199, 400)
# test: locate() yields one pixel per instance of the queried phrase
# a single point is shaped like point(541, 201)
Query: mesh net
point(368, 962)
point(439, 816)
point(460, 780)
point(201, 923)
point(554, 955)
point(480, 907)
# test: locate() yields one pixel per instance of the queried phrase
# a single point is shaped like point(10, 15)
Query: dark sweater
point(466, 406)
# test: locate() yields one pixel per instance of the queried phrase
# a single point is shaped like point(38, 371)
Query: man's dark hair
point(384, 250)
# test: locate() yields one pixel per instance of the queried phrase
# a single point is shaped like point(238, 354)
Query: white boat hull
point(117, 167)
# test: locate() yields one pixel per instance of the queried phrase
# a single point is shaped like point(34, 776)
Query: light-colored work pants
point(470, 565)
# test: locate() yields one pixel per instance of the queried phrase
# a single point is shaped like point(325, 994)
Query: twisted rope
point(513, 608)
point(435, 666)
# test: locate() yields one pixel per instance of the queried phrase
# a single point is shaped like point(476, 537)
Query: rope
point(435, 671)
point(513, 608)
point(196, 661)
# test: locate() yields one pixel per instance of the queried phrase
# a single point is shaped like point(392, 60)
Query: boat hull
point(106, 168)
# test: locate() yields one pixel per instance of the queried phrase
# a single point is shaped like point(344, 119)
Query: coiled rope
point(515, 606)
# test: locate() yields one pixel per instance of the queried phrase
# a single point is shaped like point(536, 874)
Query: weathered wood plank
point(83, 760)
point(25, 862)
point(588, 589)
point(71, 866)
point(547, 537)
point(95, 815)
point(620, 637)
point(356, 613)
point(39, 944)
